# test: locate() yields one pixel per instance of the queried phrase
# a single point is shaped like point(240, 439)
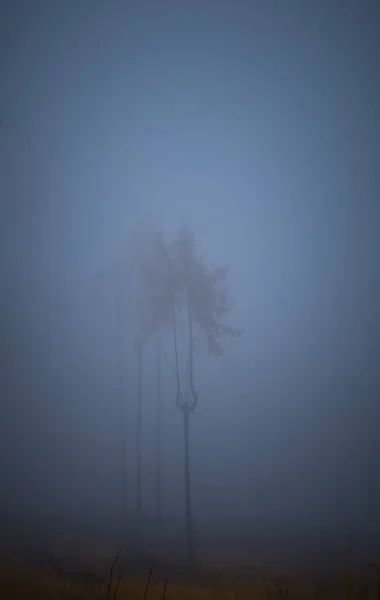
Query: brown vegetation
point(55, 581)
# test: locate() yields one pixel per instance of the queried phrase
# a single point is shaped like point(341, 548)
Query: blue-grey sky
point(258, 124)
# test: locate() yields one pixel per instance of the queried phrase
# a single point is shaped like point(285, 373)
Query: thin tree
point(122, 408)
point(205, 295)
point(114, 279)
point(154, 290)
point(157, 273)
point(142, 323)
point(139, 346)
point(158, 482)
point(162, 287)
point(181, 279)
point(118, 277)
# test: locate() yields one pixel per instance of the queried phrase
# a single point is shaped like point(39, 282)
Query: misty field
point(154, 580)
point(190, 294)
point(49, 561)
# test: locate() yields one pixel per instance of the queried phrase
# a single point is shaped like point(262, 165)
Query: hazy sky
point(258, 124)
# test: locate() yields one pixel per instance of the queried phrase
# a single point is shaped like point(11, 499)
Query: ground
point(42, 563)
point(20, 581)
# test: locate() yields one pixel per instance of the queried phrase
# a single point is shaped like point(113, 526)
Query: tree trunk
point(189, 519)
point(158, 441)
point(186, 408)
point(119, 343)
point(139, 413)
point(194, 395)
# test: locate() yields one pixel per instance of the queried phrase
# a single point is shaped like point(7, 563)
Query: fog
point(257, 124)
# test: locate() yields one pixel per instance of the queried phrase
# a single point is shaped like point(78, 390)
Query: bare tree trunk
point(186, 406)
point(194, 395)
point(189, 518)
point(119, 341)
point(158, 441)
point(139, 414)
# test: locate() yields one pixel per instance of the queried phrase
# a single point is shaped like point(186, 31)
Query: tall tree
point(156, 274)
point(114, 278)
point(139, 347)
point(204, 294)
point(154, 298)
point(181, 280)
point(122, 408)
point(142, 336)
point(158, 494)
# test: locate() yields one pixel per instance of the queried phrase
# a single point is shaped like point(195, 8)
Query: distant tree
point(114, 279)
point(204, 294)
point(144, 326)
point(137, 282)
point(139, 345)
point(132, 294)
point(158, 482)
point(154, 317)
point(122, 408)
point(181, 281)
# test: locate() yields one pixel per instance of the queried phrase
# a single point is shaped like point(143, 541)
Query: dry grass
point(55, 583)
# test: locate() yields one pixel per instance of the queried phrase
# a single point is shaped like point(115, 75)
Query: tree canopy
point(175, 275)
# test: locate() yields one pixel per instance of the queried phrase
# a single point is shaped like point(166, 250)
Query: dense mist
point(257, 125)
